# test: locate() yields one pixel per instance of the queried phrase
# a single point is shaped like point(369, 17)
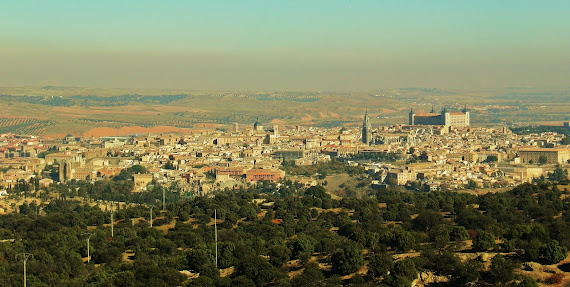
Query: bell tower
point(366, 130)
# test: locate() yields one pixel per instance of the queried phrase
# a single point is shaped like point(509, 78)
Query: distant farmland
point(25, 126)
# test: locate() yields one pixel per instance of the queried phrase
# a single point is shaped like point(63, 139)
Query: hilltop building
point(445, 118)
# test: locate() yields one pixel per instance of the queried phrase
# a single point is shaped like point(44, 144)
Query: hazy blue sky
point(289, 45)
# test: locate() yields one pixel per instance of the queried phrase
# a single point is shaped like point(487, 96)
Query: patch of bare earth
point(127, 256)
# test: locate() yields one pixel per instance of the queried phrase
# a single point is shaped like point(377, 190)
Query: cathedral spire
point(366, 121)
point(366, 129)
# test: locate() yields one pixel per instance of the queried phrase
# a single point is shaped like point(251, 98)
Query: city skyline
point(284, 143)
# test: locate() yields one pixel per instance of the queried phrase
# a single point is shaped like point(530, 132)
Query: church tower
point(366, 130)
point(411, 117)
point(445, 117)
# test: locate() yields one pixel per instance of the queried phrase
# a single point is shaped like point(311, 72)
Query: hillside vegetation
point(284, 235)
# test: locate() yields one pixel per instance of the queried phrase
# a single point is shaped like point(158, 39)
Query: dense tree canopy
point(305, 232)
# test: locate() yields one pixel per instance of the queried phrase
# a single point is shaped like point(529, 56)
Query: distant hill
point(57, 110)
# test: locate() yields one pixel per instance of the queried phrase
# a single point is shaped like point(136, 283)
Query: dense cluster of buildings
point(434, 150)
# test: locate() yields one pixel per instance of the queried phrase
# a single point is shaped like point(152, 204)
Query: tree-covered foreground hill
point(282, 235)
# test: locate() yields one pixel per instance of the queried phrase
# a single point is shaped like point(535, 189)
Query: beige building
point(224, 140)
point(552, 155)
point(141, 181)
point(458, 119)
point(264, 174)
point(521, 173)
point(401, 177)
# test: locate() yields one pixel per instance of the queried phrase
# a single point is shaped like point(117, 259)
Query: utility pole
point(88, 238)
point(151, 215)
point(216, 233)
point(24, 257)
point(163, 200)
point(112, 223)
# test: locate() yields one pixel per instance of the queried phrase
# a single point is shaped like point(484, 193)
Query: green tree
point(553, 253)
point(458, 233)
point(440, 236)
point(25, 208)
point(198, 260)
point(257, 269)
point(106, 255)
point(527, 281)
point(471, 184)
point(501, 270)
point(302, 244)
point(278, 255)
point(558, 174)
point(169, 165)
point(533, 249)
point(403, 273)
point(426, 220)
point(311, 276)
point(242, 281)
point(137, 168)
point(226, 254)
point(347, 259)
point(203, 281)
point(404, 240)
point(542, 159)
point(470, 272)
point(317, 192)
point(124, 278)
point(483, 241)
point(491, 158)
point(379, 264)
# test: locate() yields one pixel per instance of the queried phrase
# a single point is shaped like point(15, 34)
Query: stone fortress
point(445, 118)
